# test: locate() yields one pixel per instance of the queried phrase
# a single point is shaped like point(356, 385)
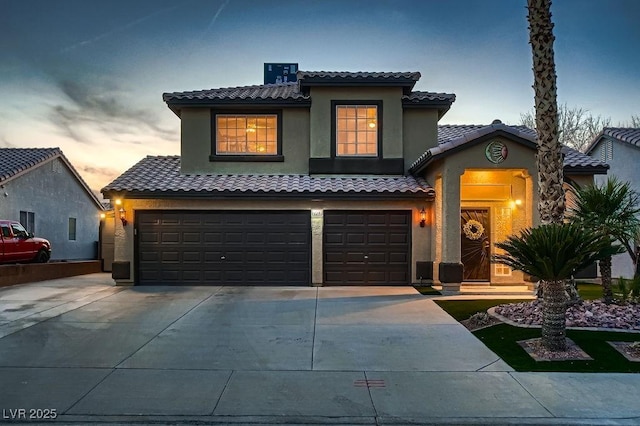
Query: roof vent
point(496, 121)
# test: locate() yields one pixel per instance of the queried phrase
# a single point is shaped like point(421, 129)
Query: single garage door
point(367, 247)
point(223, 248)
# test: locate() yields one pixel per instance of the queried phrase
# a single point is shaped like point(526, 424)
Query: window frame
point(334, 127)
point(73, 236)
point(277, 157)
point(28, 220)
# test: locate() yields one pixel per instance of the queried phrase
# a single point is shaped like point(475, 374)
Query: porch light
point(122, 211)
point(423, 218)
point(123, 216)
point(515, 203)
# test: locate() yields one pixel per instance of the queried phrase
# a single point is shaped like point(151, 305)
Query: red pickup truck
point(18, 245)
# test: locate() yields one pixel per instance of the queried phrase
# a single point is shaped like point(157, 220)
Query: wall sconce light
point(123, 216)
point(423, 218)
point(103, 216)
point(122, 211)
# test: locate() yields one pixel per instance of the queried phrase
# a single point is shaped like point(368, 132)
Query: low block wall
point(31, 272)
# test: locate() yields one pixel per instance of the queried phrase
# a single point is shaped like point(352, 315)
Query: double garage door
point(270, 248)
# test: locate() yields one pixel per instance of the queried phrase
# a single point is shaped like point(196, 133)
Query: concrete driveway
point(374, 355)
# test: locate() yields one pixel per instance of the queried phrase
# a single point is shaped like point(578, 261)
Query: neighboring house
point(41, 189)
point(620, 148)
point(342, 178)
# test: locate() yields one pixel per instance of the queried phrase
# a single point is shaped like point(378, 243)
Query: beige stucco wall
point(320, 126)
point(196, 145)
point(420, 238)
point(419, 133)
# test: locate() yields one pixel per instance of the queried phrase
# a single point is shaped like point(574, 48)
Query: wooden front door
point(475, 244)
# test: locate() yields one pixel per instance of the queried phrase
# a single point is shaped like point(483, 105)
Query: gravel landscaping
point(590, 313)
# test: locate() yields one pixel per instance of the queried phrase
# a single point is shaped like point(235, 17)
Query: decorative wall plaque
point(496, 152)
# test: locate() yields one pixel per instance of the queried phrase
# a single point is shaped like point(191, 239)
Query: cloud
point(116, 30)
point(103, 107)
point(215, 17)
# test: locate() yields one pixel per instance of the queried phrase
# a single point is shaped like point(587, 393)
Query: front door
point(475, 244)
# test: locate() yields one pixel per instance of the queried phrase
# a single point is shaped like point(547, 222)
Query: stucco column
point(450, 268)
point(317, 222)
point(122, 268)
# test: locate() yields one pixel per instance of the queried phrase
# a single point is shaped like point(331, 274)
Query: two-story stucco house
point(620, 149)
point(342, 178)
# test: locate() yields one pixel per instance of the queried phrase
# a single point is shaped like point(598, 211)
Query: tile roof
point(629, 135)
point(296, 93)
point(576, 159)
point(16, 161)
point(285, 91)
point(442, 101)
point(452, 137)
point(359, 75)
point(160, 176)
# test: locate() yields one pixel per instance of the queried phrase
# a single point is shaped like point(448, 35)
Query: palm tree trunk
point(551, 203)
point(554, 309)
point(605, 274)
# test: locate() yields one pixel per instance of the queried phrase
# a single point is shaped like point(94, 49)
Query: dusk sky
point(88, 76)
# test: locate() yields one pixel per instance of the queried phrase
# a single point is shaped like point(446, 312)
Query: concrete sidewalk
point(95, 353)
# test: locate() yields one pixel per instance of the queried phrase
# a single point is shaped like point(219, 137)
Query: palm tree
point(553, 252)
point(611, 209)
point(548, 157)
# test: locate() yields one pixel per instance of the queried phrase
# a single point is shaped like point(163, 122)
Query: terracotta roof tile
point(161, 176)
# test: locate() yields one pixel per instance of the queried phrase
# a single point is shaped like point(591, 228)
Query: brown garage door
point(367, 247)
point(223, 248)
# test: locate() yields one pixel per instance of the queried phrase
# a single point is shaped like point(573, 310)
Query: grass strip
point(502, 339)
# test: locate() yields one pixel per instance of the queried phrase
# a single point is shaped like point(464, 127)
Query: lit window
point(246, 134)
point(357, 130)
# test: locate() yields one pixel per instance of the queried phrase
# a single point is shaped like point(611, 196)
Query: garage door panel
point(170, 257)
point(223, 248)
point(333, 238)
point(354, 257)
point(169, 237)
point(170, 220)
point(191, 237)
point(367, 248)
point(233, 238)
point(151, 237)
point(355, 238)
point(398, 238)
point(192, 257)
point(399, 219)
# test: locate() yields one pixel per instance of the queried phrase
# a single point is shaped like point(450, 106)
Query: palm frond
point(554, 252)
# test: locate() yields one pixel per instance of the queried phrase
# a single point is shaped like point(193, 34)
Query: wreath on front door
point(473, 229)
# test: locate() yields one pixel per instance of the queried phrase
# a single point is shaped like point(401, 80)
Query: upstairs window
point(357, 130)
point(247, 134)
